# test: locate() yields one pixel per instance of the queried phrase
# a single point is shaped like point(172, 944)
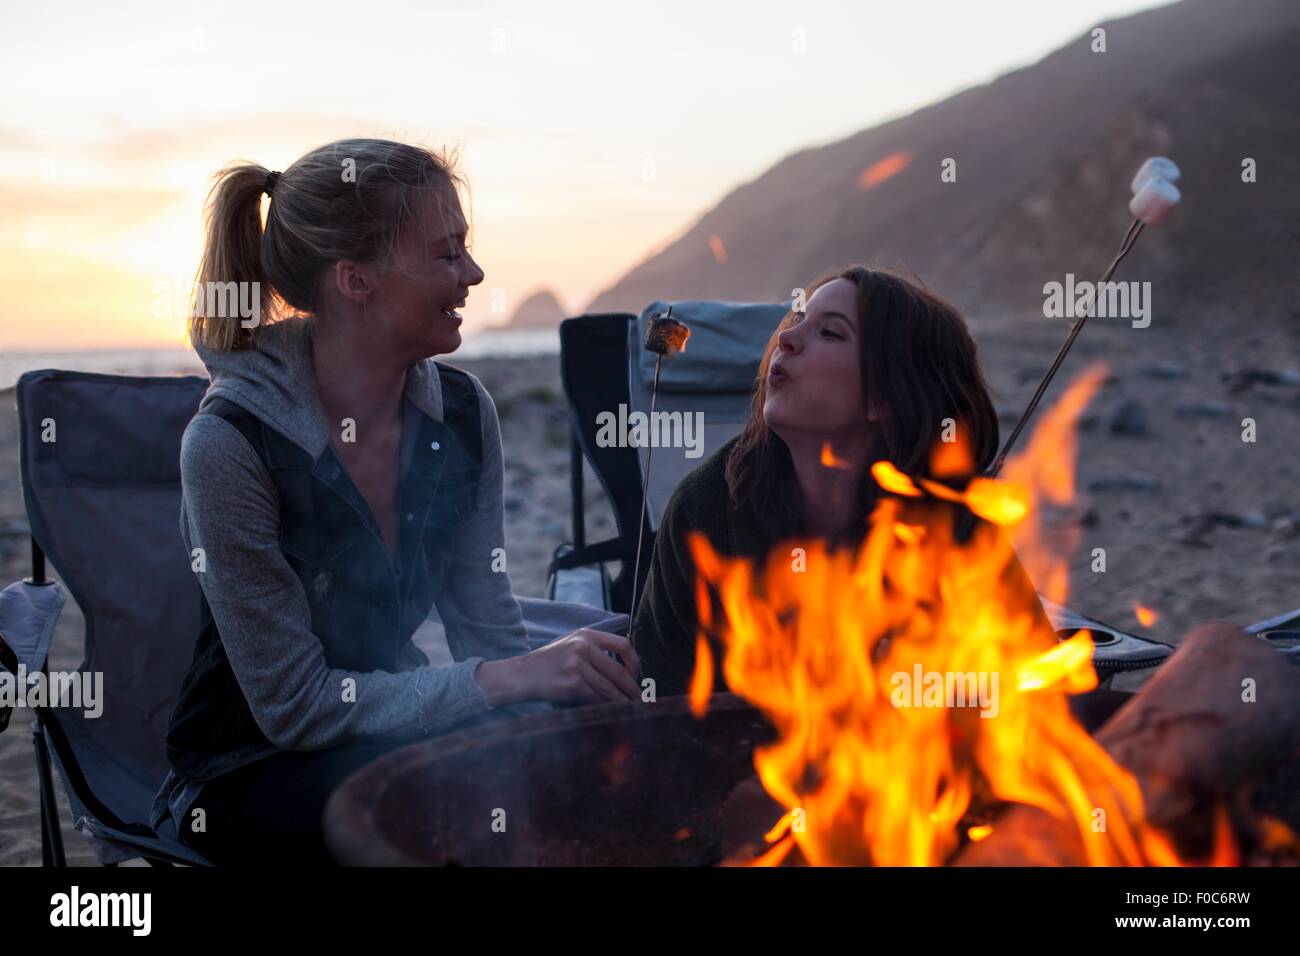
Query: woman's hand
point(574, 668)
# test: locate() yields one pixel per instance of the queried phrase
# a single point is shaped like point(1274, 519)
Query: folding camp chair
point(603, 364)
point(100, 462)
point(593, 350)
point(603, 367)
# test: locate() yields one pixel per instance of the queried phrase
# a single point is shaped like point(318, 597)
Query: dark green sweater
point(667, 623)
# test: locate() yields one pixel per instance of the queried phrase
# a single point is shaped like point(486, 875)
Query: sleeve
point(231, 509)
point(666, 621)
point(478, 606)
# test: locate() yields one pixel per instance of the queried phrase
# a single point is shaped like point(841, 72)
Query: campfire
point(906, 703)
point(918, 691)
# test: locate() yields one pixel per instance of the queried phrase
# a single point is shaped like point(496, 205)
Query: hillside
point(1044, 159)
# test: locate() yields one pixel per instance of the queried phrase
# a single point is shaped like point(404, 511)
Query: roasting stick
point(1154, 195)
point(664, 336)
point(640, 515)
point(1134, 230)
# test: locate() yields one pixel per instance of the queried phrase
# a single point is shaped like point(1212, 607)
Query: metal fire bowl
point(603, 785)
point(625, 784)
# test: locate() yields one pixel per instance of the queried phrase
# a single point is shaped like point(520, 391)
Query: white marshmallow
point(1152, 203)
point(1157, 167)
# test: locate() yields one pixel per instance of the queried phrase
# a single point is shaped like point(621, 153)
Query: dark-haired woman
point(870, 368)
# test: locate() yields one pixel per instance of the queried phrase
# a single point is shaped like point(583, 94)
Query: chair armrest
point(584, 585)
point(28, 613)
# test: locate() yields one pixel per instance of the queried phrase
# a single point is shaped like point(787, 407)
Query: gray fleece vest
point(364, 607)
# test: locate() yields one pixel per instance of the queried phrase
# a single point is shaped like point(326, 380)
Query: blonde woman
point(337, 485)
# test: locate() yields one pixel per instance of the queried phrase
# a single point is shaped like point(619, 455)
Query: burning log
point(1215, 722)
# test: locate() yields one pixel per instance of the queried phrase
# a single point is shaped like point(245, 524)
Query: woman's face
point(814, 381)
point(418, 303)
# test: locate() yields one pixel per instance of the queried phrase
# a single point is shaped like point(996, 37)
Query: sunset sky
point(116, 116)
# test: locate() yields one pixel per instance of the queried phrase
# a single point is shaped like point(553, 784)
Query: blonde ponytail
point(349, 199)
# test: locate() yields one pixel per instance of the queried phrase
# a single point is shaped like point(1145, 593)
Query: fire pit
point(610, 784)
point(651, 784)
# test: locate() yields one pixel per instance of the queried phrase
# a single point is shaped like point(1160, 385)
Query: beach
point(1195, 523)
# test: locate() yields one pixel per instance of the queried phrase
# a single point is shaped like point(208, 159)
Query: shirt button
point(435, 446)
point(410, 517)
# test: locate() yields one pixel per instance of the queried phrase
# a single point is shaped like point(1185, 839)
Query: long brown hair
point(916, 357)
point(349, 199)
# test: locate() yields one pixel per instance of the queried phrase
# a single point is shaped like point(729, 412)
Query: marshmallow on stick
point(1154, 196)
point(1157, 167)
point(1153, 202)
point(664, 336)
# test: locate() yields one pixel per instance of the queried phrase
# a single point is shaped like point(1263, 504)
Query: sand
point(1161, 549)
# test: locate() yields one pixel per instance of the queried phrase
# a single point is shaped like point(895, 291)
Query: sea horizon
point(181, 359)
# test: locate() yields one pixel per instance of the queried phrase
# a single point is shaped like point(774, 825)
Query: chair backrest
point(593, 373)
point(603, 365)
point(704, 393)
point(100, 462)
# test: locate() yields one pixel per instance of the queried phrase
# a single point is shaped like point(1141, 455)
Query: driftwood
point(1192, 742)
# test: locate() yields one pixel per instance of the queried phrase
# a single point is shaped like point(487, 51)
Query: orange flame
point(917, 684)
point(1159, 851)
point(718, 249)
point(892, 480)
point(1145, 616)
point(829, 460)
point(778, 853)
point(1278, 837)
point(883, 169)
point(702, 679)
point(951, 456)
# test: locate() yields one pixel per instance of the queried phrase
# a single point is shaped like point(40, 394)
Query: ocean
point(178, 360)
